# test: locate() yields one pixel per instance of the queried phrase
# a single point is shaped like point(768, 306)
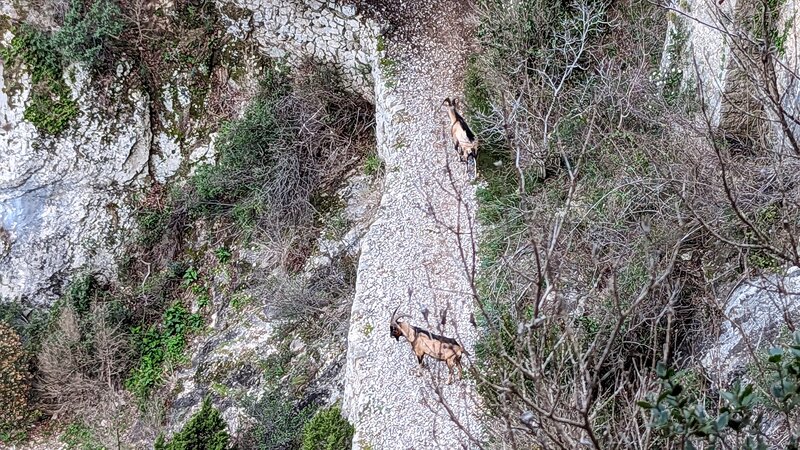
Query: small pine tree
point(204, 431)
point(328, 430)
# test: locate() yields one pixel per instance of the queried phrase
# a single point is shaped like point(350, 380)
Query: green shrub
point(29, 324)
point(373, 165)
point(685, 420)
point(37, 51)
point(152, 225)
point(294, 143)
point(204, 431)
point(160, 344)
point(51, 106)
point(328, 430)
point(82, 292)
point(279, 421)
point(739, 418)
point(84, 37)
point(88, 32)
point(78, 436)
point(14, 384)
point(476, 92)
point(223, 254)
point(251, 154)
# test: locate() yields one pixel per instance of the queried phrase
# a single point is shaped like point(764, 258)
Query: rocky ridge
point(412, 246)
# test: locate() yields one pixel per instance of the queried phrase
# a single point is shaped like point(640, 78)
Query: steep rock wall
point(294, 30)
point(756, 313)
point(693, 35)
point(704, 39)
point(409, 244)
point(62, 199)
point(66, 201)
point(233, 353)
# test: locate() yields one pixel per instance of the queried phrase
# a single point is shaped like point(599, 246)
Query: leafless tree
point(533, 88)
point(590, 277)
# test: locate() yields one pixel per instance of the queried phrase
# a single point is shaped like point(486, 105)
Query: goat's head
point(394, 326)
point(449, 104)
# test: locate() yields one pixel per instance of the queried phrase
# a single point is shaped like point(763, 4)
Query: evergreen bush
point(328, 430)
point(204, 431)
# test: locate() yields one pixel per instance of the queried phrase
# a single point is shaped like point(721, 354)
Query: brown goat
point(464, 140)
point(423, 342)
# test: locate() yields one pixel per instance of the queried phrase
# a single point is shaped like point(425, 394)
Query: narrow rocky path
point(413, 245)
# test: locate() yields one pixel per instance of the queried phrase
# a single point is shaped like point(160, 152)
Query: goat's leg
point(421, 361)
point(450, 364)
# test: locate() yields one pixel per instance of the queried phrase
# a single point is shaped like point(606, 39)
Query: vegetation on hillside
point(328, 430)
point(158, 40)
point(100, 356)
point(291, 149)
point(85, 36)
point(613, 218)
point(14, 384)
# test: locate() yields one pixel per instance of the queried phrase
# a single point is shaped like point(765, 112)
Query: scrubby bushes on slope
point(277, 164)
point(14, 384)
point(613, 219)
point(84, 356)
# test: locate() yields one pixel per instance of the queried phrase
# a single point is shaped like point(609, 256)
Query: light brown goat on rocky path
point(464, 141)
point(423, 342)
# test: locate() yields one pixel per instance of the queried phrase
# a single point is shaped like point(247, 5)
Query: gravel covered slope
point(409, 246)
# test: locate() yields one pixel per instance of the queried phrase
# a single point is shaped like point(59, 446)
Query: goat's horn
point(393, 314)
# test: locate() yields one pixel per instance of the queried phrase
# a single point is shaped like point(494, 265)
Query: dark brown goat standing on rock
point(463, 139)
point(423, 342)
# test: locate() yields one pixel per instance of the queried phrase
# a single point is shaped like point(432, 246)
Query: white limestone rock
point(755, 318)
point(299, 29)
point(167, 163)
point(62, 198)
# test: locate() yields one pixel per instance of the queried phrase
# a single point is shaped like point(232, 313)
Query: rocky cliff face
point(708, 49)
point(296, 30)
point(424, 227)
point(64, 199)
point(242, 347)
point(756, 313)
point(65, 205)
point(67, 201)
